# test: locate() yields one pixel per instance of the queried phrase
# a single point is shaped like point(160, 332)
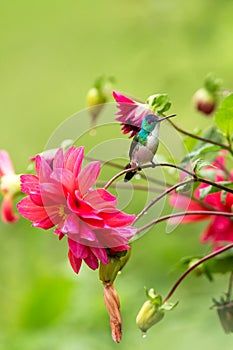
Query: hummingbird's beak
point(168, 116)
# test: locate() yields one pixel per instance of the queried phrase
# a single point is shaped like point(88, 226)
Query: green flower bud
point(149, 315)
point(108, 272)
point(152, 311)
point(95, 97)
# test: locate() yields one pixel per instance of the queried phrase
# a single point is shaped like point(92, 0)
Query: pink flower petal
point(88, 176)
point(121, 98)
point(220, 230)
point(6, 166)
point(116, 218)
point(73, 159)
point(65, 179)
point(46, 223)
point(71, 225)
point(77, 249)
point(30, 211)
point(74, 262)
point(92, 260)
point(100, 199)
point(78, 205)
point(8, 215)
point(109, 238)
point(43, 169)
point(181, 202)
point(131, 113)
point(29, 183)
point(58, 161)
point(101, 254)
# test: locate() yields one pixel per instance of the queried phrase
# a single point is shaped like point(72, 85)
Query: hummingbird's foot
point(153, 164)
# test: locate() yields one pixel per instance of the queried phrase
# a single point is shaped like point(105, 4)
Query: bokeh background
point(51, 51)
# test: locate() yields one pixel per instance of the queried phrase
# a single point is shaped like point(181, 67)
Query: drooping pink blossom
point(220, 228)
point(9, 187)
point(60, 195)
point(130, 113)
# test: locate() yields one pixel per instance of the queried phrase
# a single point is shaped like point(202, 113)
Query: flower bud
point(204, 101)
point(10, 184)
point(206, 98)
point(149, 315)
point(108, 272)
point(225, 313)
point(97, 96)
point(152, 311)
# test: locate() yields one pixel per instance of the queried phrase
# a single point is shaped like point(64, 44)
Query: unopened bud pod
point(97, 96)
point(108, 272)
point(152, 311)
point(149, 315)
point(117, 261)
point(95, 101)
point(206, 98)
point(204, 101)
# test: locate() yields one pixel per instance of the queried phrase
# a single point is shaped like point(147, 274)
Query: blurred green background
point(51, 52)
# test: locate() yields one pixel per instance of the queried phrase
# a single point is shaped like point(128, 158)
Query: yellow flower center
point(61, 212)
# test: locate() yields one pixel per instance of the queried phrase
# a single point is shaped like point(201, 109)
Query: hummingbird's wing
point(131, 113)
point(134, 144)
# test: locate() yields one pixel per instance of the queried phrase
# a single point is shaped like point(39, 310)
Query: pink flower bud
point(204, 101)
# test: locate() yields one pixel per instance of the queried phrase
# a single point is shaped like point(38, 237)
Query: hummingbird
point(145, 143)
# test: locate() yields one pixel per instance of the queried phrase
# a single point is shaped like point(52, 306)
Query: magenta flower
point(60, 195)
point(220, 228)
point(130, 113)
point(9, 187)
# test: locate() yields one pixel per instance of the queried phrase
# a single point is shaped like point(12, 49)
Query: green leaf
point(199, 163)
point(207, 148)
point(219, 264)
point(224, 116)
point(165, 108)
point(168, 306)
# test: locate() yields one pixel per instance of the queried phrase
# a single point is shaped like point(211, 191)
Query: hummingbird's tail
point(130, 174)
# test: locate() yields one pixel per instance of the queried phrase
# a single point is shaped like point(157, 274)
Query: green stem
point(191, 268)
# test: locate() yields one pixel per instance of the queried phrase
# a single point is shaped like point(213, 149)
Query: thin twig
point(130, 186)
point(198, 179)
point(118, 166)
point(182, 183)
point(191, 268)
point(201, 138)
point(123, 172)
point(184, 213)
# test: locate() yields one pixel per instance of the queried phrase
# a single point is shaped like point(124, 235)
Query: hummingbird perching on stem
point(145, 143)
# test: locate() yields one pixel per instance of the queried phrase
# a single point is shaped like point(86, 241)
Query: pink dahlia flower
point(220, 228)
point(10, 186)
point(130, 113)
point(60, 195)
